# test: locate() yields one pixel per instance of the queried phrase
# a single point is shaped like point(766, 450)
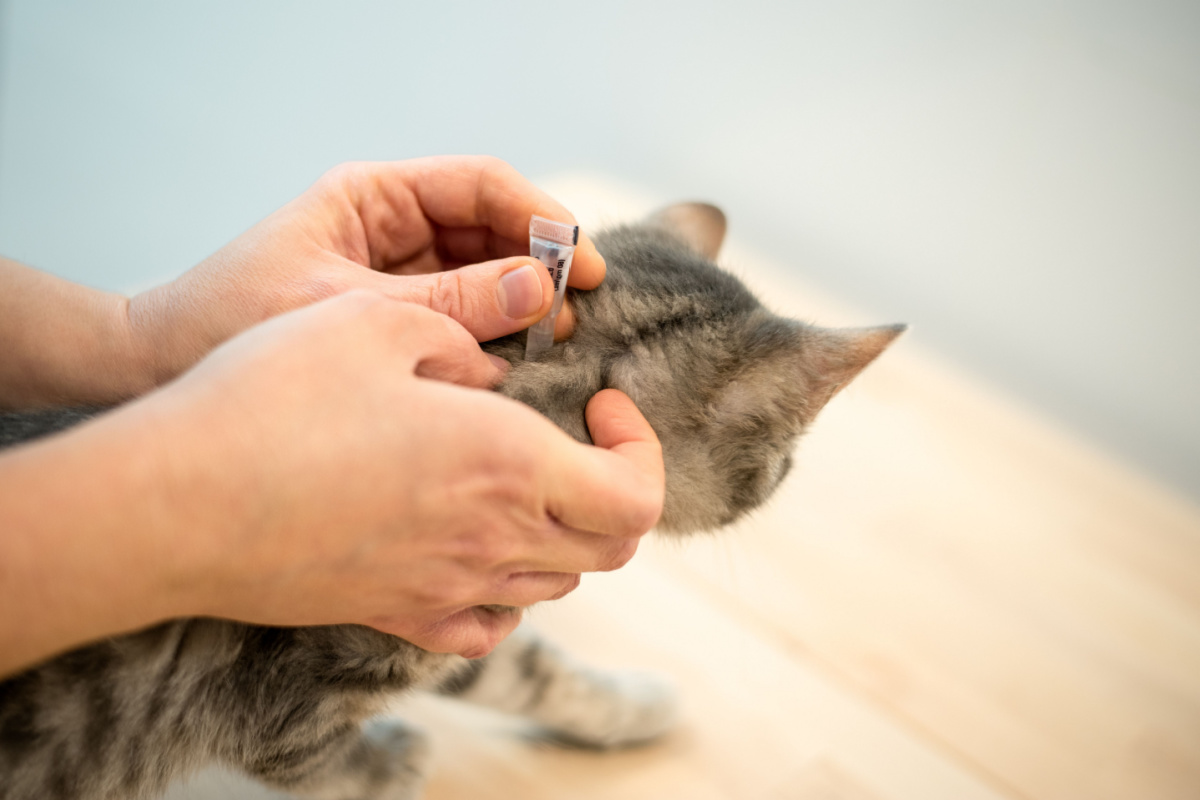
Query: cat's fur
point(728, 387)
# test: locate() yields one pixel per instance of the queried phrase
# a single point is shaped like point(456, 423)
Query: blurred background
point(1019, 180)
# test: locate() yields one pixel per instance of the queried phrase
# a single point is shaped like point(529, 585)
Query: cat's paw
point(640, 707)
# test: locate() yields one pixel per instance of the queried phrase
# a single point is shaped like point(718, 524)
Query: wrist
point(199, 503)
point(132, 370)
point(184, 521)
point(65, 344)
point(154, 335)
point(92, 545)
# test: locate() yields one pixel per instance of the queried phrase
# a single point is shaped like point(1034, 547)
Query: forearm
point(90, 542)
point(62, 343)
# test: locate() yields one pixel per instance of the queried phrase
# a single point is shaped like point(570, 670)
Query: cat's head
point(732, 389)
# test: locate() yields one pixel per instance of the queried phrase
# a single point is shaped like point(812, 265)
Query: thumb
point(490, 300)
point(616, 487)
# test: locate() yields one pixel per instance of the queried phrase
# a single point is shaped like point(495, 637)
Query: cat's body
point(121, 718)
point(727, 386)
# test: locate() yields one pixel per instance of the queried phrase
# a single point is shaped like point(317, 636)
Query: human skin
point(340, 463)
point(439, 232)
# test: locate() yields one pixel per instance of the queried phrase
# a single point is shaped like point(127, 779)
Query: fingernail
point(520, 292)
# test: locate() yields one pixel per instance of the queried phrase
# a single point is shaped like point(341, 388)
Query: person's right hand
point(344, 463)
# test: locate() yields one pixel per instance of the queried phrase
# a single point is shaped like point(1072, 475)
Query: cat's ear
point(699, 225)
point(832, 357)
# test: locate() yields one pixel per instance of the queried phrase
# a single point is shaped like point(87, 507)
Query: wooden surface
point(949, 598)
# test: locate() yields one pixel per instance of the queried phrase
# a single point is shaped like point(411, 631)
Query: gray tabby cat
point(727, 385)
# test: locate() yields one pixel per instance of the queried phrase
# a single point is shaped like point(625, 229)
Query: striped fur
point(727, 386)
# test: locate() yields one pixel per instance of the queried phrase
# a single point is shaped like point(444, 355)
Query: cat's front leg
point(529, 676)
point(384, 759)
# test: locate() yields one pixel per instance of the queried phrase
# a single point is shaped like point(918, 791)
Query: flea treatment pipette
point(552, 243)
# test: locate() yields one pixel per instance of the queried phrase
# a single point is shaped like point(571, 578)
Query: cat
point(727, 385)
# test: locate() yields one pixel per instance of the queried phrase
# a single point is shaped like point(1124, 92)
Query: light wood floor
point(950, 598)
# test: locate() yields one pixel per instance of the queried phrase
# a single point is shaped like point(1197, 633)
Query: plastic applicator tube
point(552, 243)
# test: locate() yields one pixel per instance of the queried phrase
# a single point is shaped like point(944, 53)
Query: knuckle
point(316, 287)
point(359, 303)
point(487, 548)
point(447, 295)
point(517, 458)
point(495, 634)
point(646, 513)
point(495, 165)
point(340, 175)
point(619, 555)
point(495, 178)
point(443, 329)
point(415, 312)
point(434, 597)
point(640, 512)
point(414, 321)
point(443, 593)
point(362, 298)
point(413, 315)
point(491, 552)
point(569, 584)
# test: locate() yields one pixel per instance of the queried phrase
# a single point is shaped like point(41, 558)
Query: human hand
point(407, 229)
point(327, 469)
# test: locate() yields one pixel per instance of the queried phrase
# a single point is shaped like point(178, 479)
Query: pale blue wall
point(1021, 180)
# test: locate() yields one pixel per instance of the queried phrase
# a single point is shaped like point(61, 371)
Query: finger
point(489, 300)
point(439, 348)
point(564, 324)
point(471, 633)
point(472, 245)
point(474, 631)
point(616, 487)
point(524, 589)
point(425, 262)
point(403, 205)
point(594, 268)
point(463, 192)
point(570, 551)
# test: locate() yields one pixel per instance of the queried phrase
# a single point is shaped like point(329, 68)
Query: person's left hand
point(450, 233)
